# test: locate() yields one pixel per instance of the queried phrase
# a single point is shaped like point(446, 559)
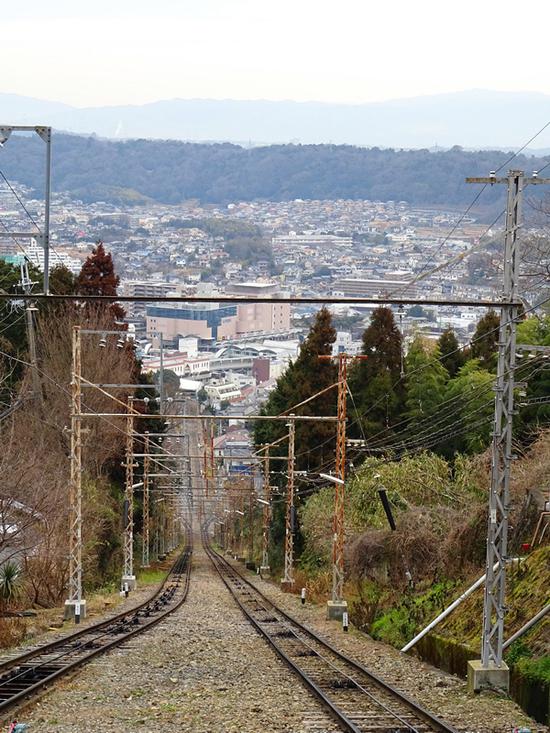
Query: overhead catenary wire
point(475, 199)
point(433, 361)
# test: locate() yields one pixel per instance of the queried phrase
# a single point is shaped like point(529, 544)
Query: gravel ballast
point(204, 670)
point(443, 694)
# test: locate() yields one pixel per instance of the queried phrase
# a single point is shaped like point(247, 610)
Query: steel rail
point(426, 716)
point(13, 670)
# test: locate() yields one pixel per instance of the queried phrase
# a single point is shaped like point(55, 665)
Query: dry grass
point(12, 631)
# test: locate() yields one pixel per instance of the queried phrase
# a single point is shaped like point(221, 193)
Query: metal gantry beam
point(315, 300)
point(268, 418)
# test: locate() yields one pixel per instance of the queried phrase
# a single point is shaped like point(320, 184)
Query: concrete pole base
point(128, 582)
point(71, 607)
point(480, 677)
point(287, 586)
point(265, 571)
point(336, 610)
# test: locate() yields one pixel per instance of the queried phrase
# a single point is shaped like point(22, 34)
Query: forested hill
point(93, 169)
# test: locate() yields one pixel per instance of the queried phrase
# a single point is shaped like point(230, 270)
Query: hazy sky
point(133, 51)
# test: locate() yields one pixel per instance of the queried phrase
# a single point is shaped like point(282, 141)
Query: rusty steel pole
point(290, 517)
point(338, 522)
point(339, 489)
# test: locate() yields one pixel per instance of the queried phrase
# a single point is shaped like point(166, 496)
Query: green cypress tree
point(485, 340)
point(452, 356)
point(426, 379)
point(375, 382)
point(302, 379)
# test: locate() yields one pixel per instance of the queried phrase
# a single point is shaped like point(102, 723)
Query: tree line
point(135, 171)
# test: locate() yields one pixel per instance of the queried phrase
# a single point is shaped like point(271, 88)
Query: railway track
point(357, 699)
point(23, 675)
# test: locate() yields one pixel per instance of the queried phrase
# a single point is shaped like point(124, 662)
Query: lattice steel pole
point(337, 605)
point(266, 515)
point(128, 581)
point(75, 606)
point(491, 669)
point(290, 518)
point(339, 489)
point(146, 518)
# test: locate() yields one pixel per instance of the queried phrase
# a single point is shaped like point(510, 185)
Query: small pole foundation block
point(128, 582)
point(75, 610)
point(481, 677)
point(336, 610)
point(265, 571)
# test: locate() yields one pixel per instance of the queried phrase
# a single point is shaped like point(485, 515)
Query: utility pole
point(266, 516)
point(337, 606)
point(30, 310)
point(290, 519)
point(145, 534)
point(75, 606)
point(128, 581)
point(491, 671)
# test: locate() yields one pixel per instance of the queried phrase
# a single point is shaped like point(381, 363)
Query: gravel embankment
point(444, 694)
point(203, 670)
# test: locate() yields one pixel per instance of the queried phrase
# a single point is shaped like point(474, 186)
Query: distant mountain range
point(474, 119)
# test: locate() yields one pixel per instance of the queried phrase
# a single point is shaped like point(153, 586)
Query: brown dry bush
point(12, 632)
point(367, 553)
point(414, 546)
point(464, 546)
point(34, 465)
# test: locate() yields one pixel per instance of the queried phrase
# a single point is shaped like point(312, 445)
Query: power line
point(27, 212)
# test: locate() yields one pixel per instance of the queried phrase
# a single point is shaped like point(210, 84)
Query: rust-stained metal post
point(339, 488)
point(290, 517)
point(337, 605)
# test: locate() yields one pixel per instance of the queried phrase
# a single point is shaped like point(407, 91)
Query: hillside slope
point(170, 172)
